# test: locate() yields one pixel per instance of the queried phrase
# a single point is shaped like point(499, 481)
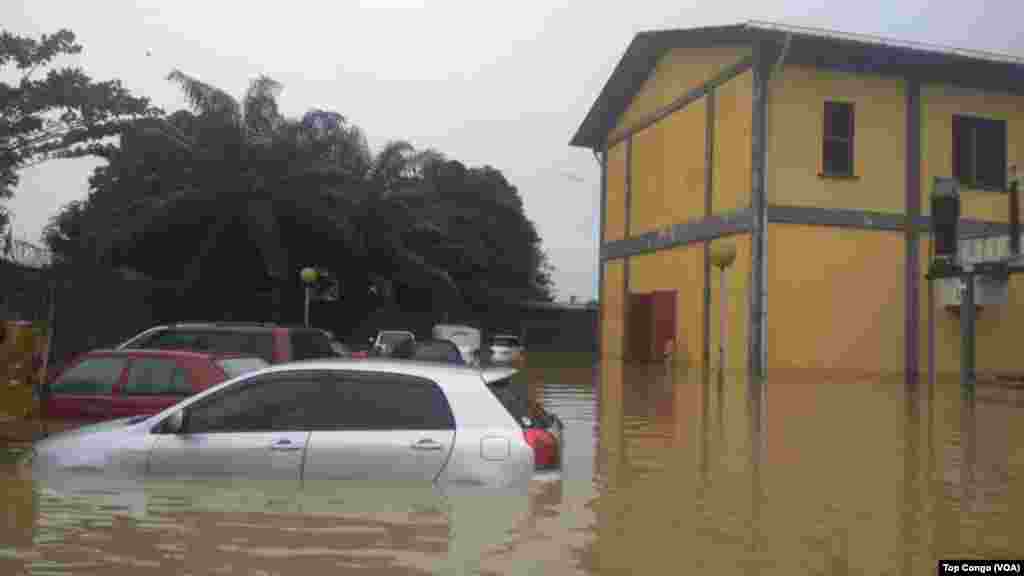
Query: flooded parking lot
point(663, 473)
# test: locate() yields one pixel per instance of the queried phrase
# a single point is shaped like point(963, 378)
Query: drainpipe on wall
point(1014, 213)
point(601, 159)
point(776, 69)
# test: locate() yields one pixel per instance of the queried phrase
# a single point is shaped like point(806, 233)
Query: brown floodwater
point(663, 473)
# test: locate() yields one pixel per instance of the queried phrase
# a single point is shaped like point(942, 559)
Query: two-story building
point(813, 154)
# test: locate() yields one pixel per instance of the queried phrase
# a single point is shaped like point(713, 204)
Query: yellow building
point(813, 154)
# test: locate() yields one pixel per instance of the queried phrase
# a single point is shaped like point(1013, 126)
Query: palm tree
point(249, 164)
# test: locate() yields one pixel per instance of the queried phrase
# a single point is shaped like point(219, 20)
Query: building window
point(979, 152)
point(837, 150)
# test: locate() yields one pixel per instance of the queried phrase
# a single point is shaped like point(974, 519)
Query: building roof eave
point(855, 53)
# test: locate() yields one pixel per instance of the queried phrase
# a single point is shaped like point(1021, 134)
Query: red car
point(274, 343)
point(107, 384)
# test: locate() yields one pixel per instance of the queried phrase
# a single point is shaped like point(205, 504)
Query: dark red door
point(84, 392)
point(152, 384)
point(664, 315)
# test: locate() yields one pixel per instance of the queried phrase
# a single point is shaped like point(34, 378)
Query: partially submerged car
point(274, 343)
point(429, 351)
point(375, 419)
point(542, 429)
point(387, 340)
point(105, 384)
point(506, 349)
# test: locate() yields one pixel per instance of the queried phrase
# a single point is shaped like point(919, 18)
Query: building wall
point(938, 105)
point(680, 269)
point(615, 211)
point(679, 71)
point(835, 298)
point(836, 295)
point(731, 164)
point(796, 105)
point(667, 186)
point(998, 329)
point(613, 309)
point(668, 170)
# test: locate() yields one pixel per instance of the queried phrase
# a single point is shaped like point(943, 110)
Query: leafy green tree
point(60, 114)
point(231, 193)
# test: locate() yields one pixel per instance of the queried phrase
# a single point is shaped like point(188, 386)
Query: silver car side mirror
point(175, 423)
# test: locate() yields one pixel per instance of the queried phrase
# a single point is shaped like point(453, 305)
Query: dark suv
point(275, 344)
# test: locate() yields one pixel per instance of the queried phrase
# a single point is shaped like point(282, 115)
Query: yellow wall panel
point(938, 105)
point(668, 171)
point(796, 108)
point(679, 71)
point(731, 171)
point(680, 269)
point(615, 210)
point(835, 298)
point(613, 309)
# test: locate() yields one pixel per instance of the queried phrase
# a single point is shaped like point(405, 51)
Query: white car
point(375, 420)
point(505, 349)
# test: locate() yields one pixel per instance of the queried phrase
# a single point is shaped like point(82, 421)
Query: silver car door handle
point(284, 445)
point(426, 444)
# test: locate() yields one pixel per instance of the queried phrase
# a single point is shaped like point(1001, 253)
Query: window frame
point(969, 125)
point(314, 338)
point(179, 368)
point(53, 389)
point(848, 141)
point(371, 381)
point(259, 380)
point(211, 335)
point(221, 364)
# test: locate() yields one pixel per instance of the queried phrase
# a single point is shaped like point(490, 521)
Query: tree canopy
point(231, 197)
point(54, 112)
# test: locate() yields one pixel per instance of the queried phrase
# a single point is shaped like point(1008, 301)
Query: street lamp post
point(722, 256)
point(309, 277)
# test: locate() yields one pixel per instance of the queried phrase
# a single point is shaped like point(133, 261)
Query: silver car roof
point(435, 371)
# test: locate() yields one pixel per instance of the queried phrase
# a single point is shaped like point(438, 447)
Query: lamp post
point(309, 277)
point(1014, 189)
point(722, 256)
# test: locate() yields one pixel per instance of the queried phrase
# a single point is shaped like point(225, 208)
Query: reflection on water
point(664, 473)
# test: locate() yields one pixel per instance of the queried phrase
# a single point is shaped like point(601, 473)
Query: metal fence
point(85, 306)
point(90, 306)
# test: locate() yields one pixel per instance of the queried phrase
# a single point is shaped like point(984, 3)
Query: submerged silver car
point(338, 419)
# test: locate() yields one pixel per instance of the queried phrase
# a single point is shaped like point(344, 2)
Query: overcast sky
point(499, 83)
